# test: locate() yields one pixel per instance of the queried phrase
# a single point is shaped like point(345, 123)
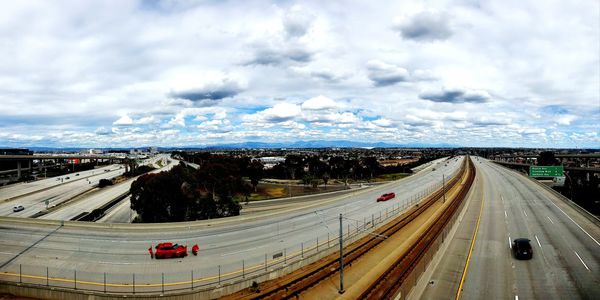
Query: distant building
point(270, 161)
point(91, 152)
point(16, 151)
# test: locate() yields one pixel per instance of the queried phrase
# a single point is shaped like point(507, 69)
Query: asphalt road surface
point(225, 245)
point(18, 189)
point(56, 194)
point(566, 248)
point(120, 213)
point(98, 198)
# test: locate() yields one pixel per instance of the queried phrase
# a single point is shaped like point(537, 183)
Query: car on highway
point(386, 197)
point(170, 250)
point(522, 248)
point(18, 208)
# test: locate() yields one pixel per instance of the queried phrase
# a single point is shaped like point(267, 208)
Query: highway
point(226, 244)
point(19, 189)
point(98, 198)
point(566, 248)
point(120, 213)
point(56, 194)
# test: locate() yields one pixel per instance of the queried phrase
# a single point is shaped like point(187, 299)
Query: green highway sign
point(546, 171)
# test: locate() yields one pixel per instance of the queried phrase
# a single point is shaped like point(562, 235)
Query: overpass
point(19, 160)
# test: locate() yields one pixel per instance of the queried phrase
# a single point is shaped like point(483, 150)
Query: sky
point(195, 73)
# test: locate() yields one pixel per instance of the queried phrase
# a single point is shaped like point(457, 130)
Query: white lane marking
point(525, 213)
point(538, 241)
point(550, 219)
point(581, 260)
point(119, 263)
point(516, 297)
point(575, 223)
point(7, 253)
point(505, 215)
point(236, 252)
point(509, 243)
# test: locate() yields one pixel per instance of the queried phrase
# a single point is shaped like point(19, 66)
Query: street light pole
point(341, 290)
point(444, 187)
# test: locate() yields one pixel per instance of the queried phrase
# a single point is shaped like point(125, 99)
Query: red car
point(386, 196)
point(170, 250)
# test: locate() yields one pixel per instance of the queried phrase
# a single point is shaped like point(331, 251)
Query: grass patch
point(390, 177)
point(266, 191)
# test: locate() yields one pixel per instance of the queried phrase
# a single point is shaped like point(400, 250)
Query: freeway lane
point(16, 190)
point(566, 258)
point(120, 213)
point(225, 243)
point(97, 199)
point(35, 203)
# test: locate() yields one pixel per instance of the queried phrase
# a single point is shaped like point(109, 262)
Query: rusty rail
point(293, 284)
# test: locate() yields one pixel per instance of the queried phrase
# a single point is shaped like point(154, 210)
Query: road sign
point(546, 171)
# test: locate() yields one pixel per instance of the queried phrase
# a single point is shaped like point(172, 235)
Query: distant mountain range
point(324, 144)
point(263, 145)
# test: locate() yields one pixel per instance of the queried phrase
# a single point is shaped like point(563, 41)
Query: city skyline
point(186, 73)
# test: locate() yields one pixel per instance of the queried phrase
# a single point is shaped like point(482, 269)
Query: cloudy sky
point(175, 73)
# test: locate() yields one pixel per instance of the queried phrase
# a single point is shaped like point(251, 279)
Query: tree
point(306, 179)
point(255, 172)
point(372, 165)
point(325, 177)
point(339, 167)
point(294, 165)
point(180, 195)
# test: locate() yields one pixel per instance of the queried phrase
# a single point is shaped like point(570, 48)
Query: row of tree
point(309, 167)
point(214, 189)
point(186, 194)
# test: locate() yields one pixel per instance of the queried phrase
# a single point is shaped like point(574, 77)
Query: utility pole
point(341, 290)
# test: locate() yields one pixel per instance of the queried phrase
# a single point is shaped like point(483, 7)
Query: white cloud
point(178, 120)
point(319, 103)
point(425, 26)
point(566, 119)
point(279, 113)
point(147, 120)
point(124, 120)
point(132, 74)
point(384, 74)
point(383, 122)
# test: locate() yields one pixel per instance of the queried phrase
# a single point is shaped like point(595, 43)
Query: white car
point(18, 208)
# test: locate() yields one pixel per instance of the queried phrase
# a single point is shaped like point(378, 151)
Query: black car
point(522, 248)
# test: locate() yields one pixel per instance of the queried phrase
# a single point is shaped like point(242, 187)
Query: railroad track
point(293, 284)
point(388, 283)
